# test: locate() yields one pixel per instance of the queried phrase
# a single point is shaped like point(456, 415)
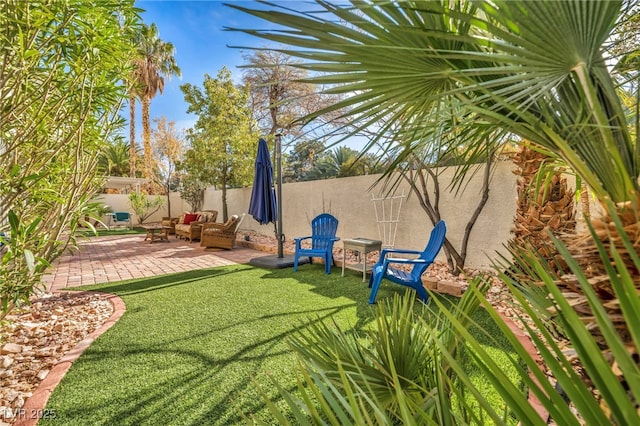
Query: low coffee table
point(362, 246)
point(156, 232)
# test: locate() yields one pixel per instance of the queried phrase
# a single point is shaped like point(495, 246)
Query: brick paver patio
point(122, 257)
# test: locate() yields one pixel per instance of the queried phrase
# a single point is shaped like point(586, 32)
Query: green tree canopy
point(343, 161)
point(223, 142)
point(114, 158)
point(302, 159)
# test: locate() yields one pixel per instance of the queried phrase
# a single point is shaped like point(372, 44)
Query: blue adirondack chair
point(323, 235)
point(412, 279)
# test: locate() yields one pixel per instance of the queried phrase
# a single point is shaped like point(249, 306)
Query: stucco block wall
point(350, 200)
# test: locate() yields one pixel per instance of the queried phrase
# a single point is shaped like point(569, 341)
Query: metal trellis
point(387, 210)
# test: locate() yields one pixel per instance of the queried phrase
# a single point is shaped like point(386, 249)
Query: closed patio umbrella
point(263, 205)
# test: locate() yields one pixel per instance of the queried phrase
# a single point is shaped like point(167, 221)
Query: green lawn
point(190, 345)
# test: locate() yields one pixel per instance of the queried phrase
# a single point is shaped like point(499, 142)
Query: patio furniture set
point(200, 226)
point(407, 272)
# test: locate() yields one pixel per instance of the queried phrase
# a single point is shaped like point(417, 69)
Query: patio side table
point(362, 246)
point(156, 232)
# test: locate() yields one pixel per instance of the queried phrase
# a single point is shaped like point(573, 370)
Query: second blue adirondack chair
point(411, 279)
point(323, 235)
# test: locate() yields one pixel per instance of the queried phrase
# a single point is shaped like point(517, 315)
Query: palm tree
point(542, 205)
point(114, 158)
point(132, 122)
point(155, 61)
point(535, 69)
point(343, 161)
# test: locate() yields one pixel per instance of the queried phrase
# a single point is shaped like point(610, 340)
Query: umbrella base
point(275, 262)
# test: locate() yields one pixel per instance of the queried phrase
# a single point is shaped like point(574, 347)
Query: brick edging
point(33, 408)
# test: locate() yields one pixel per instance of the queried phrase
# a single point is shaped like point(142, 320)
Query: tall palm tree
point(155, 61)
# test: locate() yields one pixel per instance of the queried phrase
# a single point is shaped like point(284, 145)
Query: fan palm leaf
point(534, 68)
point(539, 70)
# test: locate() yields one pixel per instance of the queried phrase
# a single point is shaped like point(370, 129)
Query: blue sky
point(196, 30)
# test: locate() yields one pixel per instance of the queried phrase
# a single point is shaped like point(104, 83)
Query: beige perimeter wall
point(350, 200)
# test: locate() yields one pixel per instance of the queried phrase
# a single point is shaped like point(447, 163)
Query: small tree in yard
point(222, 140)
point(63, 66)
point(168, 146)
point(192, 190)
point(143, 205)
point(421, 168)
point(419, 177)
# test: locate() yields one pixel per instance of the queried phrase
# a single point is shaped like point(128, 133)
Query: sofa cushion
point(190, 217)
point(205, 217)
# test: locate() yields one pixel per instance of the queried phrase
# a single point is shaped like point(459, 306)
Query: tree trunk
point(225, 213)
point(168, 200)
point(419, 186)
point(146, 136)
point(132, 135)
point(483, 202)
point(541, 208)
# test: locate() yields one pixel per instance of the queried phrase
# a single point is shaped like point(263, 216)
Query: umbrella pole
point(278, 152)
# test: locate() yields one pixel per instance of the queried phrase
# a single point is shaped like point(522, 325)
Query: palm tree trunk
point(146, 136)
point(541, 209)
point(132, 135)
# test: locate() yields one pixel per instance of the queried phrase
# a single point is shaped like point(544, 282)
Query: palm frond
point(535, 69)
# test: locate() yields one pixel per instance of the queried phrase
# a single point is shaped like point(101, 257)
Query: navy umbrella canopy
point(263, 205)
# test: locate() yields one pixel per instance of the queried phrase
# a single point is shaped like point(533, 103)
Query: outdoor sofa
point(190, 224)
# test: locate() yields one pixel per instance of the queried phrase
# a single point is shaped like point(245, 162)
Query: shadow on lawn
point(352, 287)
point(186, 378)
point(202, 365)
point(331, 286)
point(159, 282)
point(210, 370)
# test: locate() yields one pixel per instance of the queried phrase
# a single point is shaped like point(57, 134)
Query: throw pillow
point(190, 217)
point(181, 220)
